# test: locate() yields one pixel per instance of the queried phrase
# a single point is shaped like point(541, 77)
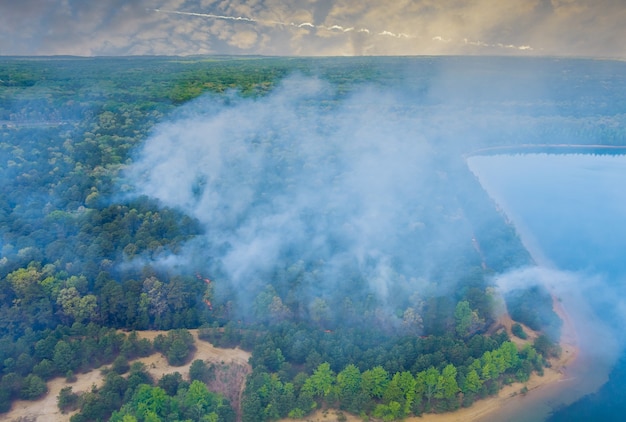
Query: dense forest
point(84, 252)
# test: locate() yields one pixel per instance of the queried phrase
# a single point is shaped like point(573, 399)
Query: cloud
point(339, 27)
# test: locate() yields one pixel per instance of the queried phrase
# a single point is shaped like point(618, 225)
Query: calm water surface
point(570, 210)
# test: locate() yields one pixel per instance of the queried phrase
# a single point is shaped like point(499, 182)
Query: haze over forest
point(319, 213)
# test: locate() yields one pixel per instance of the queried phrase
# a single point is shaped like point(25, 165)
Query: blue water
point(608, 404)
point(573, 205)
point(570, 210)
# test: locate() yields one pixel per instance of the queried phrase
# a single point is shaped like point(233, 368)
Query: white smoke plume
point(299, 178)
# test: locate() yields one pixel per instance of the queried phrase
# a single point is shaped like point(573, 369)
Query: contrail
point(208, 15)
point(341, 29)
point(333, 28)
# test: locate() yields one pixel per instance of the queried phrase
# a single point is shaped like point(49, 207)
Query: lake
point(570, 212)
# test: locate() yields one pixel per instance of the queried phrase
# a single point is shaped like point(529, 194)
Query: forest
point(86, 252)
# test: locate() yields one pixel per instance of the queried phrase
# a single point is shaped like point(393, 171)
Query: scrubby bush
point(518, 331)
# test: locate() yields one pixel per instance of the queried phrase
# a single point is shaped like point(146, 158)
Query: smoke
point(328, 197)
point(321, 197)
point(593, 316)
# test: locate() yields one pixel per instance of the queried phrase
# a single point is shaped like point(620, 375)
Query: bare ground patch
point(231, 369)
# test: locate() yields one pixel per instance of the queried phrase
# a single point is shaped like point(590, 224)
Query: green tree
point(546, 347)
point(467, 321)
point(25, 284)
point(407, 384)
point(67, 400)
point(388, 412)
point(76, 307)
point(449, 385)
point(177, 353)
point(349, 390)
point(198, 402)
point(120, 365)
point(171, 382)
point(518, 331)
point(321, 382)
point(510, 354)
point(374, 381)
point(177, 346)
point(200, 371)
point(44, 369)
point(394, 392)
point(473, 383)
point(149, 402)
point(63, 357)
point(33, 387)
point(426, 384)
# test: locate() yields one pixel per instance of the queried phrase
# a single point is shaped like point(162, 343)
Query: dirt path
point(231, 367)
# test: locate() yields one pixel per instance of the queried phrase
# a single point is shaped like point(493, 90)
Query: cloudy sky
point(313, 27)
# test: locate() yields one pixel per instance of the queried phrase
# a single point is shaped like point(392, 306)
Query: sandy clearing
point(45, 409)
point(157, 364)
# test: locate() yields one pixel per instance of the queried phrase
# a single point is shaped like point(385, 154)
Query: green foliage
point(120, 365)
point(63, 357)
point(319, 385)
point(518, 331)
point(33, 387)
point(349, 392)
point(138, 375)
point(195, 403)
point(200, 371)
point(177, 346)
point(170, 383)
point(67, 400)
point(546, 347)
point(134, 347)
point(533, 307)
point(374, 381)
point(467, 321)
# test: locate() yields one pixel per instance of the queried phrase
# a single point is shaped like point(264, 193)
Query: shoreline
point(509, 401)
point(547, 149)
point(598, 347)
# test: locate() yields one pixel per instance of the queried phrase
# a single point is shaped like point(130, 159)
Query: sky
point(588, 28)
